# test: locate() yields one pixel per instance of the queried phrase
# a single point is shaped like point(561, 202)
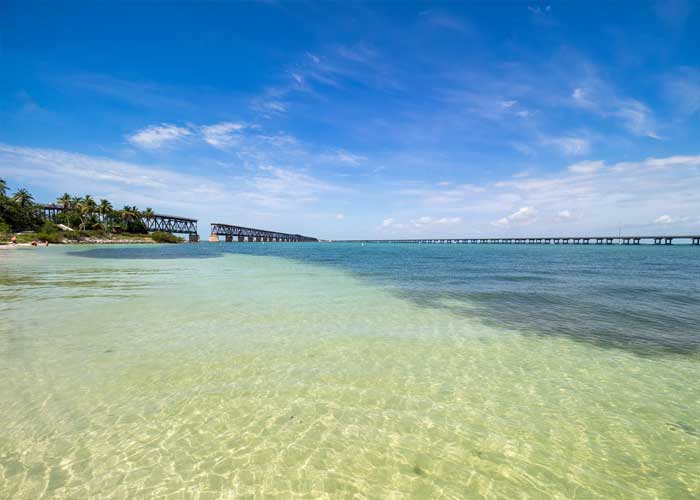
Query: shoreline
point(5, 245)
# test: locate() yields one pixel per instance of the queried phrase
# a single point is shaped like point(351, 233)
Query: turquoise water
point(340, 370)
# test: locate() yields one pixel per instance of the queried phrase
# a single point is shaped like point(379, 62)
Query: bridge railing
point(155, 222)
point(561, 240)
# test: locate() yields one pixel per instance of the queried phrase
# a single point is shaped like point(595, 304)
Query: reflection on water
point(338, 370)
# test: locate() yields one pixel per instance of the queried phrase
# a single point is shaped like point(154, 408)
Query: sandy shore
point(87, 241)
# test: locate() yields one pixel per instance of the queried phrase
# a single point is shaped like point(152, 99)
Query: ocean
point(333, 370)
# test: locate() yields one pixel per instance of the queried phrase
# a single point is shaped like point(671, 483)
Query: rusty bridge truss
point(240, 234)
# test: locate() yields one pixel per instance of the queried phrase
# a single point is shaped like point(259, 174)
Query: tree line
point(19, 212)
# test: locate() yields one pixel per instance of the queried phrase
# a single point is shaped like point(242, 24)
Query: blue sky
point(358, 120)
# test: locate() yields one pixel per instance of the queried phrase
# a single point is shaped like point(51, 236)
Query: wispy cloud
point(596, 96)
point(444, 21)
point(570, 146)
point(266, 187)
point(668, 219)
point(682, 88)
point(591, 195)
point(418, 225)
point(62, 170)
point(222, 135)
point(342, 156)
point(586, 167)
point(523, 216)
point(424, 221)
point(278, 188)
point(158, 136)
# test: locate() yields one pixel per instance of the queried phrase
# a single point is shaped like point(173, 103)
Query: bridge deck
point(157, 222)
point(242, 233)
point(551, 240)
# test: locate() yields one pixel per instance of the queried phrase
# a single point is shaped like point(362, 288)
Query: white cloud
point(599, 196)
point(664, 219)
point(667, 219)
point(339, 216)
point(586, 167)
point(387, 222)
point(637, 117)
point(64, 171)
point(432, 221)
point(523, 216)
point(564, 215)
point(222, 135)
point(599, 98)
point(158, 136)
point(579, 95)
point(267, 186)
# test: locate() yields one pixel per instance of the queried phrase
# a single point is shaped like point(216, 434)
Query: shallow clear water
point(333, 370)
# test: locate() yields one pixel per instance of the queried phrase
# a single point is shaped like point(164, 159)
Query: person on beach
point(34, 243)
point(46, 243)
point(13, 240)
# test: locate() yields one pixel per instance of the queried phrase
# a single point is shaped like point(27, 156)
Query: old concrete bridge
point(560, 240)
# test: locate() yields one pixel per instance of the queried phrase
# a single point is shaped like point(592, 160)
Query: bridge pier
point(213, 238)
point(696, 241)
point(194, 238)
point(229, 238)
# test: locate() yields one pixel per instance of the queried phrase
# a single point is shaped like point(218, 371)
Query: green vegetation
point(88, 218)
point(163, 237)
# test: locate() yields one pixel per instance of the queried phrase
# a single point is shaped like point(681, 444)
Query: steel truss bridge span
point(155, 222)
point(170, 224)
point(241, 234)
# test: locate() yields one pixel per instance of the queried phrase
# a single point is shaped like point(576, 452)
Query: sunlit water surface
point(339, 370)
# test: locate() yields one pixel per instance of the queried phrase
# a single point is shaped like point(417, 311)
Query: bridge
point(250, 234)
point(561, 240)
point(155, 222)
point(172, 224)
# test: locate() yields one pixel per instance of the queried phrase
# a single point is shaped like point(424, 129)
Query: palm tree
point(129, 214)
point(93, 222)
point(23, 198)
point(74, 200)
point(104, 208)
point(89, 202)
point(65, 201)
point(83, 211)
point(148, 214)
point(3, 188)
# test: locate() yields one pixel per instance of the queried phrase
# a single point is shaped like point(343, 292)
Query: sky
point(361, 120)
